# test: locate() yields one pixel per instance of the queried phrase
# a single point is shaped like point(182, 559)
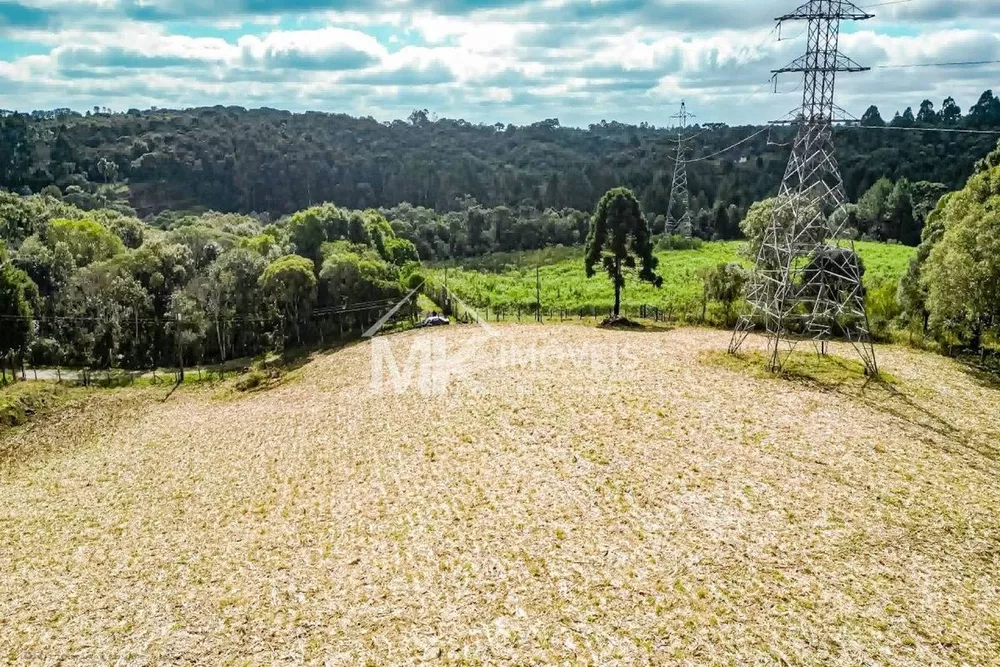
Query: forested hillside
point(267, 161)
point(84, 281)
point(102, 289)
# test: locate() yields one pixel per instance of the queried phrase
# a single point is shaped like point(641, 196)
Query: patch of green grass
point(507, 281)
point(21, 401)
point(425, 305)
point(828, 371)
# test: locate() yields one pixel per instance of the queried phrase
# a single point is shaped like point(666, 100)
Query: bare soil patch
point(576, 495)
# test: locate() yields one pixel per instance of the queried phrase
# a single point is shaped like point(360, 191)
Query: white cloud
point(326, 48)
point(575, 59)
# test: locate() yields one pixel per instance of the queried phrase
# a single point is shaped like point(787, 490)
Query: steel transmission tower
point(807, 280)
point(679, 197)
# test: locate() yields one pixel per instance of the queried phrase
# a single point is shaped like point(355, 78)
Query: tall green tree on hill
point(291, 285)
point(16, 294)
point(872, 117)
point(951, 113)
point(619, 236)
point(963, 267)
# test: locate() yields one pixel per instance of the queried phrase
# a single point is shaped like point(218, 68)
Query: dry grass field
point(669, 507)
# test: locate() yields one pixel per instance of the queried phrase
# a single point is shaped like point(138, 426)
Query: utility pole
point(538, 295)
point(180, 347)
point(679, 196)
point(807, 279)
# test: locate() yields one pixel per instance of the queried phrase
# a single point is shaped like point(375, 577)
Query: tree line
point(950, 290)
point(275, 162)
point(84, 281)
point(101, 289)
point(892, 211)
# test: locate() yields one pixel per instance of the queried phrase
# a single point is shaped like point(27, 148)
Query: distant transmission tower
point(807, 281)
point(679, 197)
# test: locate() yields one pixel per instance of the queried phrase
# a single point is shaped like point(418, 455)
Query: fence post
point(538, 295)
point(180, 348)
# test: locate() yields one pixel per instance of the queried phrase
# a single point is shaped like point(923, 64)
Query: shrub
point(415, 280)
point(678, 242)
point(883, 309)
point(250, 381)
point(19, 402)
point(52, 191)
point(726, 283)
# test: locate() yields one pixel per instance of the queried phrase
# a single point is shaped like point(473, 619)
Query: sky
point(487, 61)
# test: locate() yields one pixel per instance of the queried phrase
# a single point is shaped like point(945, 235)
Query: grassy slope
point(564, 284)
point(657, 509)
point(20, 401)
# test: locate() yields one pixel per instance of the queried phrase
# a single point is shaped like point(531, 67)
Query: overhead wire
point(775, 143)
point(886, 4)
point(319, 312)
point(960, 63)
point(729, 148)
point(772, 80)
point(695, 136)
point(890, 128)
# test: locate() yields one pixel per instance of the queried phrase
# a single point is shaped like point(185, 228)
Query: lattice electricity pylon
point(807, 280)
point(679, 196)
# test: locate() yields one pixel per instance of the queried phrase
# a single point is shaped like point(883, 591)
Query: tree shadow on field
point(884, 394)
point(904, 408)
point(985, 373)
point(637, 326)
point(172, 390)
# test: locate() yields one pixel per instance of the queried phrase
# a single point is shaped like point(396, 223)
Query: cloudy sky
point(483, 60)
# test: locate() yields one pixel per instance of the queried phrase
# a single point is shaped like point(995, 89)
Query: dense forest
point(139, 239)
point(274, 162)
point(102, 289)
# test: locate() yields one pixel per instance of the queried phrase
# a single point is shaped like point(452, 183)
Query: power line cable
point(338, 310)
point(961, 63)
point(886, 4)
point(950, 130)
point(695, 136)
point(729, 148)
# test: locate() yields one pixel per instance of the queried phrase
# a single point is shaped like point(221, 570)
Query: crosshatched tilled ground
point(544, 506)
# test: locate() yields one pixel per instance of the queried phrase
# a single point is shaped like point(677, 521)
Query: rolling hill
point(563, 494)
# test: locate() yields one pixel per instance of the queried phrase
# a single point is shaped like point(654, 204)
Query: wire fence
point(700, 310)
point(326, 326)
point(334, 324)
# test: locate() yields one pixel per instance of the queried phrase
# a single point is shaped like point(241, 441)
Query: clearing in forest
point(571, 494)
point(508, 280)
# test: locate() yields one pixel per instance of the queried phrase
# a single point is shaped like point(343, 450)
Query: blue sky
point(488, 61)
